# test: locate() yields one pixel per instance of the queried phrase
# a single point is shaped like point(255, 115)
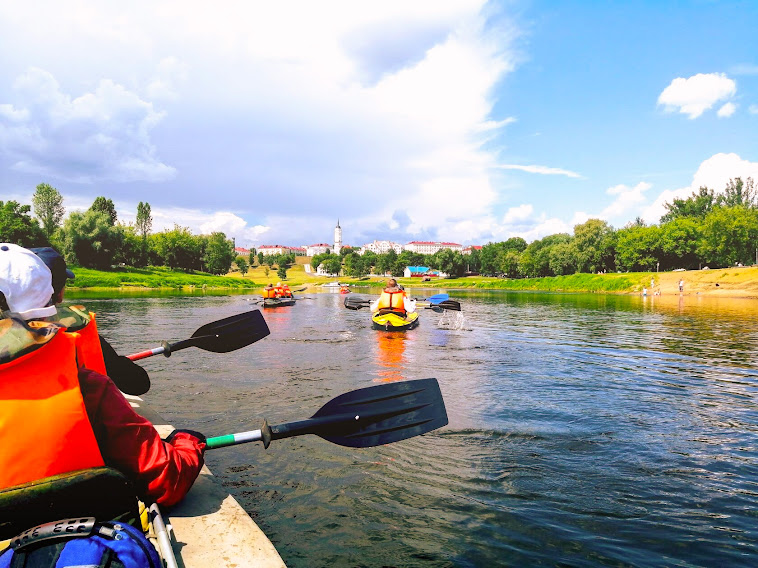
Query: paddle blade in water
point(355, 303)
point(382, 414)
point(230, 333)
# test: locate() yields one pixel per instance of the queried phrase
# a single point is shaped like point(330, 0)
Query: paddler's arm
point(163, 471)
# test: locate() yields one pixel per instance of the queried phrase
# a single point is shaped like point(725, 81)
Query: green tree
point(729, 236)
point(281, 272)
point(638, 248)
point(680, 242)
point(450, 262)
point(219, 253)
point(144, 224)
point(260, 259)
point(91, 240)
point(594, 246)
point(738, 193)
point(508, 263)
point(48, 207)
point(535, 260)
point(178, 248)
point(133, 249)
point(699, 204)
point(333, 264)
point(386, 263)
point(106, 206)
point(242, 265)
point(17, 226)
point(562, 258)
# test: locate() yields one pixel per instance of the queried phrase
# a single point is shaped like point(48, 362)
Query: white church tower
point(337, 238)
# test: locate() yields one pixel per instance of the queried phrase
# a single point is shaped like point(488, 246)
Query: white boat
point(335, 284)
point(209, 528)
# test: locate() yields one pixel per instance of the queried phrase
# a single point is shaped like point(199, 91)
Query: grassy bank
point(731, 282)
point(152, 278)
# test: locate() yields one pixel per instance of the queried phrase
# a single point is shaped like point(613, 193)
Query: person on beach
point(681, 285)
point(268, 291)
point(60, 416)
point(393, 299)
point(129, 377)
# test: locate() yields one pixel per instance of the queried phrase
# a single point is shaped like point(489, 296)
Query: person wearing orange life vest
point(59, 416)
point(93, 351)
point(286, 292)
point(393, 299)
point(278, 290)
point(268, 291)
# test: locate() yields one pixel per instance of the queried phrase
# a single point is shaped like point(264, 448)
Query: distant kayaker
point(268, 291)
point(393, 299)
point(60, 416)
point(127, 375)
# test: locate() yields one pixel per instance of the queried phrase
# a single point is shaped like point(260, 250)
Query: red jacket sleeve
point(161, 471)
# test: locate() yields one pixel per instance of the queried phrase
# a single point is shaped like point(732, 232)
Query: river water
point(585, 430)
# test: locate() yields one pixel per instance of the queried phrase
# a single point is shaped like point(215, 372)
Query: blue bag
point(81, 542)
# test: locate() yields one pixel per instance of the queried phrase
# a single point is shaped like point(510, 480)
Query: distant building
point(381, 247)
point(267, 250)
point(319, 248)
point(422, 272)
point(428, 247)
point(239, 251)
point(468, 250)
point(337, 238)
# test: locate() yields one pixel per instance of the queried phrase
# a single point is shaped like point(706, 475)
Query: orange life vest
point(44, 428)
point(392, 301)
point(268, 293)
point(88, 350)
point(286, 292)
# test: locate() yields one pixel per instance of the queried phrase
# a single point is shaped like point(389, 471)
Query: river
point(585, 430)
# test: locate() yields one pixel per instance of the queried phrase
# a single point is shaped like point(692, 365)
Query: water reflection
point(390, 356)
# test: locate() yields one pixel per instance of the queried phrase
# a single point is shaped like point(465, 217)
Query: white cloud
point(539, 170)
point(713, 173)
point(99, 135)
point(727, 110)
point(753, 109)
point(628, 200)
point(695, 95)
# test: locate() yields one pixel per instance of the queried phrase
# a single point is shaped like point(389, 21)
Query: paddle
point(222, 336)
point(446, 305)
point(437, 298)
point(356, 303)
point(362, 418)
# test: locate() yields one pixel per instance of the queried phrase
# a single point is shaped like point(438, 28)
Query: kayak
point(209, 527)
point(344, 290)
point(394, 322)
point(278, 302)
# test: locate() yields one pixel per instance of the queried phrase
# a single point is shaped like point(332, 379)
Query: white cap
point(26, 282)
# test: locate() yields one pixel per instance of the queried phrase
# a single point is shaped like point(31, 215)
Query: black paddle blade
point(450, 305)
point(228, 334)
point(355, 303)
point(374, 416)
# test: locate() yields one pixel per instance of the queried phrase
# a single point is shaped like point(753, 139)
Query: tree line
point(96, 239)
point(704, 229)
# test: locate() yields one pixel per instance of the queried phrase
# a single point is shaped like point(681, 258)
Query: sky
point(461, 121)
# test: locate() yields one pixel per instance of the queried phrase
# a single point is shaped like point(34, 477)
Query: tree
point(333, 264)
point(738, 193)
point(219, 253)
point(48, 207)
point(17, 226)
point(281, 272)
point(242, 265)
point(593, 243)
point(680, 241)
point(729, 235)
point(699, 204)
point(562, 258)
point(91, 240)
point(178, 248)
point(450, 262)
point(638, 248)
point(535, 260)
point(144, 224)
point(106, 206)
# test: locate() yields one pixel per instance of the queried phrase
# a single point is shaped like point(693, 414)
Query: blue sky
point(462, 121)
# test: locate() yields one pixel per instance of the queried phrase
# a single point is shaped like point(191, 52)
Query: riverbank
point(737, 282)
